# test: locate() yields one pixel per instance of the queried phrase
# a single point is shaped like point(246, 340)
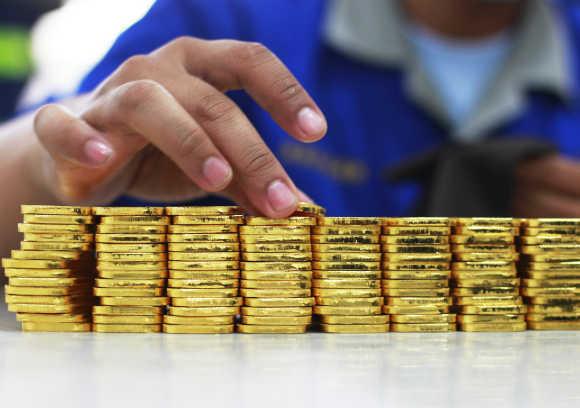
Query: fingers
point(545, 203)
point(229, 65)
point(554, 172)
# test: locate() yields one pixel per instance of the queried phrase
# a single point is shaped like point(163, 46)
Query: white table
point(532, 369)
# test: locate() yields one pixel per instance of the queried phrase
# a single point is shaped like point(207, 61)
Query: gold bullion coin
point(48, 282)
point(493, 327)
point(54, 228)
point(336, 266)
point(131, 229)
point(128, 292)
point(273, 284)
point(415, 301)
point(484, 274)
point(486, 256)
point(415, 221)
point(554, 309)
point(556, 266)
point(57, 219)
point(55, 246)
point(128, 310)
point(422, 327)
point(527, 231)
point(193, 329)
point(415, 266)
point(415, 275)
point(131, 256)
point(41, 291)
point(127, 319)
point(277, 248)
point(491, 291)
point(49, 309)
point(276, 311)
point(204, 265)
point(482, 266)
point(558, 291)
point(462, 248)
point(354, 328)
point(132, 274)
point(202, 229)
point(347, 310)
point(414, 240)
point(235, 219)
point(367, 248)
point(348, 283)
point(552, 275)
point(346, 274)
point(337, 221)
point(546, 283)
point(277, 275)
point(201, 293)
point(277, 257)
point(499, 318)
point(423, 319)
point(203, 247)
point(504, 221)
point(270, 329)
point(417, 230)
point(273, 293)
point(46, 255)
point(489, 300)
point(29, 326)
point(268, 239)
point(550, 240)
point(298, 220)
point(130, 238)
point(278, 230)
point(204, 311)
point(131, 211)
point(131, 265)
point(44, 300)
point(344, 239)
point(279, 302)
point(391, 257)
point(370, 292)
point(203, 283)
point(553, 317)
point(374, 319)
point(483, 239)
point(204, 210)
point(53, 318)
point(204, 274)
point(346, 257)
point(135, 220)
point(130, 247)
point(553, 257)
point(415, 292)
point(276, 266)
point(416, 249)
point(552, 222)
point(204, 256)
point(206, 302)
point(133, 301)
point(55, 210)
point(199, 320)
point(492, 309)
point(486, 283)
point(485, 229)
point(129, 283)
point(350, 302)
point(347, 230)
point(126, 328)
point(231, 238)
point(554, 325)
point(277, 320)
point(310, 208)
point(35, 264)
point(419, 309)
point(550, 249)
point(415, 283)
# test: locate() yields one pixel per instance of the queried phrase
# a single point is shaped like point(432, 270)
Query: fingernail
point(304, 197)
point(217, 172)
point(280, 196)
point(311, 122)
point(97, 151)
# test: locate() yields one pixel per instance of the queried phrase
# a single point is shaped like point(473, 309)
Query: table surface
point(531, 369)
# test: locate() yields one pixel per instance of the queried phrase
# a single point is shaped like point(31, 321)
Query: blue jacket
point(373, 124)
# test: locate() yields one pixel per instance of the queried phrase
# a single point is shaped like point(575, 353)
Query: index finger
point(555, 172)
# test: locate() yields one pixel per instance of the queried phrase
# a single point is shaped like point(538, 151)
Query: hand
point(160, 127)
point(548, 187)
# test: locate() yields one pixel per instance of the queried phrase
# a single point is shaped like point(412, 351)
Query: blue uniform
point(373, 123)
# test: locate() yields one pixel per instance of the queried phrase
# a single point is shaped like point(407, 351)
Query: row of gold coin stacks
point(204, 269)
point(484, 276)
point(416, 270)
point(347, 272)
point(277, 273)
point(51, 275)
point(550, 268)
point(132, 267)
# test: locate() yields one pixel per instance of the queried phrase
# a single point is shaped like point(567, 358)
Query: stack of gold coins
point(550, 268)
point(51, 275)
point(416, 271)
point(484, 277)
point(131, 267)
point(204, 269)
point(276, 274)
point(347, 275)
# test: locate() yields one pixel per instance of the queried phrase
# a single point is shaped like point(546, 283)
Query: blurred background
point(46, 46)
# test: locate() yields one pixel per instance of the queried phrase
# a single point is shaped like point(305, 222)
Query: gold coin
point(132, 211)
point(572, 231)
point(553, 317)
point(277, 257)
point(350, 302)
point(204, 311)
point(417, 221)
point(276, 266)
point(204, 274)
point(346, 248)
point(422, 327)
point(345, 239)
point(48, 282)
point(131, 265)
point(492, 309)
point(347, 257)
point(489, 300)
point(303, 221)
point(230, 238)
point(204, 256)
point(485, 229)
point(131, 229)
point(491, 291)
point(504, 221)
point(46, 255)
point(417, 240)
point(552, 222)
point(133, 301)
point(347, 274)
point(570, 291)
point(347, 310)
point(273, 293)
point(269, 239)
point(419, 309)
point(55, 210)
point(277, 275)
point(256, 329)
point(484, 274)
point(134, 247)
point(42, 291)
point(375, 319)
point(550, 249)
point(132, 274)
point(554, 325)
point(413, 257)
point(29, 326)
point(274, 284)
point(310, 208)
point(203, 283)
point(487, 239)
point(202, 229)
point(277, 320)
point(279, 302)
point(336, 221)
point(494, 248)
point(546, 283)
point(207, 302)
point(545, 309)
point(128, 292)
point(364, 266)
point(277, 248)
point(555, 300)
point(415, 284)
point(132, 256)
point(347, 283)
point(416, 266)
point(126, 328)
point(35, 264)
point(57, 219)
point(199, 320)
point(204, 265)
point(435, 301)
point(559, 266)
point(135, 220)
point(486, 256)
point(55, 246)
point(416, 249)
point(486, 283)
point(493, 327)
point(553, 258)
point(45, 300)
point(550, 240)
point(374, 292)
point(347, 230)
point(53, 318)
point(49, 309)
point(276, 311)
point(413, 275)
point(204, 210)
point(281, 230)
point(418, 230)
point(127, 319)
point(499, 318)
point(354, 328)
point(192, 329)
point(130, 238)
point(128, 310)
point(482, 266)
point(203, 247)
point(208, 219)
point(423, 319)
point(54, 228)
point(415, 292)
point(201, 293)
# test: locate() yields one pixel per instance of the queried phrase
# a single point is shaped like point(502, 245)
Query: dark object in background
point(468, 180)
point(16, 19)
